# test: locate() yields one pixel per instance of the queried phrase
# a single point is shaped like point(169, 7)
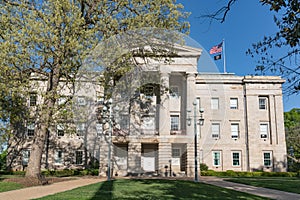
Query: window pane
point(262, 103)
point(175, 153)
point(79, 155)
point(25, 157)
point(32, 99)
point(233, 103)
point(234, 130)
point(263, 130)
point(235, 159)
point(215, 130)
point(99, 128)
point(59, 157)
point(80, 129)
point(216, 158)
point(60, 130)
point(267, 159)
point(30, 129)
point(174, 91)
point(174, 122)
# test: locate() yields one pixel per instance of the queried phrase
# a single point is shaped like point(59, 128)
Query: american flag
point(216, 49)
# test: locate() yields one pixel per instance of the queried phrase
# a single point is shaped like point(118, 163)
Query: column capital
point(165, 74)
point(191, 75)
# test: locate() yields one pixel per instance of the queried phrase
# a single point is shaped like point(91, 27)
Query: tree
point(292, 130)
point(287, 19)
point(52, 38)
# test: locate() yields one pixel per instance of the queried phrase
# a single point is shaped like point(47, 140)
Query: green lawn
point(6, 186)
point(287, 184)
point(150, 189)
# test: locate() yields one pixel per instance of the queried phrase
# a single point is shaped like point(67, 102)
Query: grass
point(7, 186)
point(150, 189)
point(287, 184)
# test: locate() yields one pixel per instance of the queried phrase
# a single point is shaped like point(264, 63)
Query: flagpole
point(224, 59)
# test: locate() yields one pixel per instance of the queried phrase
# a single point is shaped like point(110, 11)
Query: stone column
point(134, 158)
point(103, 156)
point(164, 118)
point(165, 154)
point(190, 98)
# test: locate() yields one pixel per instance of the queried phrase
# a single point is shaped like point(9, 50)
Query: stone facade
point(243, 126)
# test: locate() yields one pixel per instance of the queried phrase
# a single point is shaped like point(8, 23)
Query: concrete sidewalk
point(263, 192)
point(45, 190)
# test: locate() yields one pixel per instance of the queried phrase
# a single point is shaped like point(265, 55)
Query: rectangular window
point(124, 121)
point(233, 103)
point(216, 158)
point(79, 157)
point(263, 130)
point(176, 153)
point(25, 157)
point(267, 159)
point(60, 130)
point(30, 129)
point(99, 128)
point(58, 157)
point(149, 91)
point(174, 122)
point(80, 129)
point(174, 91)
point(236, 159)
point(215, 130)
point(215, 103)
point(262, 103)
point(32, 99)
point(234, 130)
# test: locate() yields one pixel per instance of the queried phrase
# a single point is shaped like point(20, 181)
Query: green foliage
point(3, 160)
point(231, 173)
point(287, 19)
point(71, 172)
point(203, 167)
point(51, 39)
point(292, 131)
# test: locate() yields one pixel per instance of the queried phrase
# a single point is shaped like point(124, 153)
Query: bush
point(3, 160)
point(203, 167)
point(71, 172)
point(232, 173)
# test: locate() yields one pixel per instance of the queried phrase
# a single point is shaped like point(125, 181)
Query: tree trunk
point(42, 125)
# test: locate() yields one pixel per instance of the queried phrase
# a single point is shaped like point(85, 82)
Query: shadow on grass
point(105, 191)
point(165, 189)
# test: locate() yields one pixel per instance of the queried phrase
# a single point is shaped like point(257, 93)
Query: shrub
point(203, 167)
point(20, 173)
point(232, 173)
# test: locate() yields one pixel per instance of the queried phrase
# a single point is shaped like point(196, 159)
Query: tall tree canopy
point(51, 39)
point(292, 130)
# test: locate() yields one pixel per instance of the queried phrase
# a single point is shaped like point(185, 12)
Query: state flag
point(218, 57)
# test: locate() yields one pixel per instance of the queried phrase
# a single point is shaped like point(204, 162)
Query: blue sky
point(246, 23)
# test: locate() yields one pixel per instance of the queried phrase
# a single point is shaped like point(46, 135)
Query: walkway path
point(40, 191)
point(264, 192)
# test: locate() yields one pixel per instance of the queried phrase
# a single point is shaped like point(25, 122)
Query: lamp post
point(104, 111)
point(201, 122)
